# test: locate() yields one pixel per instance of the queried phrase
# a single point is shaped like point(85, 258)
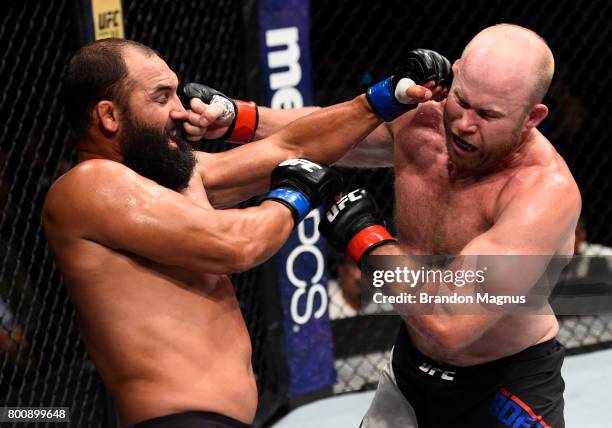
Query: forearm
point(260, 232)
point(272, 120)
point(323, 136)
point(452, 325)
point(327, 134)
point(394, 273)
point(373, 150)
point(297, 186)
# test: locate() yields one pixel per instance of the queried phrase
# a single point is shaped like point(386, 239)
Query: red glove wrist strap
point(246, 122)
point(365, 239)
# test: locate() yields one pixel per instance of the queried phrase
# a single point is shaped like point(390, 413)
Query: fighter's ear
point(456, 66)
point(106, 114)
point(536, 115)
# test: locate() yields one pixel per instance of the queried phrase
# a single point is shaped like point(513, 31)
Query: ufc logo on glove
point(305, 164)
point(341, 204)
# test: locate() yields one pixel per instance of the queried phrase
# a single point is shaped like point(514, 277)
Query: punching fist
point(302, 185)
point(394, 96)
point(353, 224)
point(218, 116)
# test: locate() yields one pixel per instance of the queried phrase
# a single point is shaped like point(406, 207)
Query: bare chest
point(105, 276)
point(435, 214)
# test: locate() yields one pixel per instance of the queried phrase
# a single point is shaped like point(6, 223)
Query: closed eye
point(161, 94)
point(488, 115)
point(461, 102)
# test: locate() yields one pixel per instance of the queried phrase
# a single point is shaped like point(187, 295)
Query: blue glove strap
point(294, 198)
point(382, 99)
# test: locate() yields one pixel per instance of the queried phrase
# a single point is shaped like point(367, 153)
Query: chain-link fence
point(355, 44)
point(43, 362)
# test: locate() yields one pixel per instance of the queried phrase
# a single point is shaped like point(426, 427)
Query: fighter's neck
point(92, 150)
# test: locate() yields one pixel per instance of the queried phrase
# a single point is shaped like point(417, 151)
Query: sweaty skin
point(437, 213)
point(512, 194)
point(165, 335)
point(146, 266)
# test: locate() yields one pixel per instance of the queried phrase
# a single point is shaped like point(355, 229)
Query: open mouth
point(464, 145)
point(172, 134)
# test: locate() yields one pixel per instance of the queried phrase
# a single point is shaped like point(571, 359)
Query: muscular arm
point(374, 151)
point(324, 136)
point(105, 202)
point(271, 120)
point(539, 221)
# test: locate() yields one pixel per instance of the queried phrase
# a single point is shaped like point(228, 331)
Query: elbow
point(253, 238)
point(244, 256)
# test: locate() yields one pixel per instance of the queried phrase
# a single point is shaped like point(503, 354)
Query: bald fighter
point(144, 254)
point(474, 176)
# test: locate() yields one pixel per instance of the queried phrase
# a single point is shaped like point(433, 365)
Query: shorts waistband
point(404, 347)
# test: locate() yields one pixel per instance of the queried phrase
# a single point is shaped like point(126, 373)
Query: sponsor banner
point(530, 285)
point(285, 46)
point(98, 19)
point(108, 18)
point(302, 269)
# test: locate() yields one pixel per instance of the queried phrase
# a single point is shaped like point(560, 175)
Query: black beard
point(145, 150)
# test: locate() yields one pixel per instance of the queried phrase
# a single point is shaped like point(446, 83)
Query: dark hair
point(97, 72)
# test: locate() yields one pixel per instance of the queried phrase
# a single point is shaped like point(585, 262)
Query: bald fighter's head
point(514, 57)
point(495, 98)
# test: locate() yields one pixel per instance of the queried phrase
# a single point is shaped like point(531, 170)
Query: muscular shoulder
point(537, 180)
point(77, 180)
point(95, 170)
point(425, 115)
point(542, 187)
point(537, 209)
point(88, 173)
point(84, 183)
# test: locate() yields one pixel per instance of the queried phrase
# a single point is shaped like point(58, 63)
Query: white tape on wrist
point(400, 90)
point(226, 106)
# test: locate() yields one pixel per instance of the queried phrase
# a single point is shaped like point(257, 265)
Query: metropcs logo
point(284, 81)
point(307, 288)
point(283, 58)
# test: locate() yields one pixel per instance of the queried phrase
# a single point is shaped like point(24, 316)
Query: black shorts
point(522, 390)
point(191, 420)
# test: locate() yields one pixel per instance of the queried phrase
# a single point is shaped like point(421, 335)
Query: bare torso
point(436, 214)
point(164, 339)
